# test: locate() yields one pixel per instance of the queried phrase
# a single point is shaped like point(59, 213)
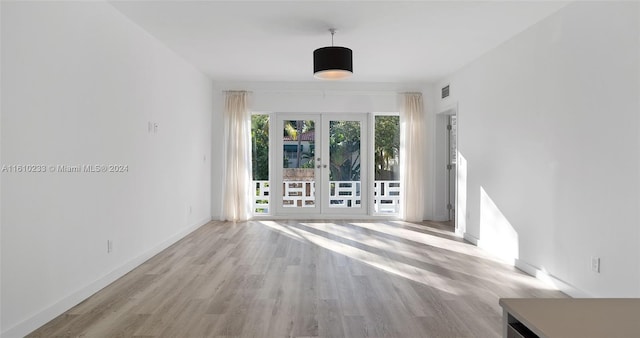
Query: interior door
point(451, 166)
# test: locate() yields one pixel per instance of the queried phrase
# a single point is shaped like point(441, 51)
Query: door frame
point(321, 173)
point(441, 160)
point(453, 170)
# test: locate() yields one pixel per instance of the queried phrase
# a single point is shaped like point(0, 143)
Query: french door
point(320, 164)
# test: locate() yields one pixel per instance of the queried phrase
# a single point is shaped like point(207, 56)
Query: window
point(336, 176)
point(386, 154)
point(260, 162)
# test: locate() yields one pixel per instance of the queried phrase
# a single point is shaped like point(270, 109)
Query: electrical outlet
point(595, 264)
point(109, 246)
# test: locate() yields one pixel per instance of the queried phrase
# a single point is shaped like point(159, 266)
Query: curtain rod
point(324, 91)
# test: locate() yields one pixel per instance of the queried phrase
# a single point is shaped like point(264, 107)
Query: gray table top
point(577, 317)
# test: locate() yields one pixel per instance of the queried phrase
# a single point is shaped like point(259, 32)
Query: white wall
point(315, 97)
point(80, 83)
point(549, 127)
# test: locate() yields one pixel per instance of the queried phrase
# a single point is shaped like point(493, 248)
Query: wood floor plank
point(330, 319)
point(306, 279)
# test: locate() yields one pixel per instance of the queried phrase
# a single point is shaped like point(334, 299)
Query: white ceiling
point(392, 41)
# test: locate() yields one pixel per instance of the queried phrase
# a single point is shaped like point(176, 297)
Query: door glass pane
point(387, 165)
point(260, 162)
point(298, 173)
point(344, 160)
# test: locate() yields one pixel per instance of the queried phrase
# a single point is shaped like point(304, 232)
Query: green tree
point(344, 146)
point(387, 146)
point(294, 130)
point(260, 147)
point(344, 150)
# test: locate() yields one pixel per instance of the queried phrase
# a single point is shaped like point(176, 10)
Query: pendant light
point(332, 63)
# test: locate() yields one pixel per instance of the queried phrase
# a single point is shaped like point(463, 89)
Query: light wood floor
point(306, 279)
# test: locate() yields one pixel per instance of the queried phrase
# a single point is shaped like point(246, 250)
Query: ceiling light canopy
point(332, 63)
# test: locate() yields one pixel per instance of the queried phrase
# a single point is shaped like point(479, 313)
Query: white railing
point(299, 194)
point(261, 197)
point(386, 197)
point(342, 194)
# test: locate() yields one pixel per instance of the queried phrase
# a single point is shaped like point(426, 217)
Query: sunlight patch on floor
point(388, 245)
point(504, 274)
point(427, 239)
point(383, 263)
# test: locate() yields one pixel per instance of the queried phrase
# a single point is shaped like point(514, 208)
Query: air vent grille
point(445, 91)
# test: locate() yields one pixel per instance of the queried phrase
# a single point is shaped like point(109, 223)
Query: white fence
point(342, 194)
point(299, 194)
point(386, 197)
point(261, 197)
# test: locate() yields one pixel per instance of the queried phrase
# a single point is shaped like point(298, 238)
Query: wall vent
point(445, 91)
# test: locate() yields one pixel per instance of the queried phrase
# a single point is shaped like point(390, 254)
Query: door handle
point(324, 166)
point(318, 166)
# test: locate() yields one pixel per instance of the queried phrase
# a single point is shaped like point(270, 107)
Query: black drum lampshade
point(332, 63)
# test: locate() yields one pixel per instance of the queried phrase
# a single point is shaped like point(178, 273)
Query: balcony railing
point(261, 198)
point(386, 197)
point(342, 194)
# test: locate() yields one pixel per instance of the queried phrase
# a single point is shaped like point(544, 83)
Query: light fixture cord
point(333, 31)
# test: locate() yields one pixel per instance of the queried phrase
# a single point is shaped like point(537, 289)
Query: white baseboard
point(544, 276)
point(551, 280)
point(470, 238)
point(66, 303)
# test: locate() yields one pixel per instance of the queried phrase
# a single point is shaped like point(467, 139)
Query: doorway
point(446, 160)
point(321, 164)
point(452, 151)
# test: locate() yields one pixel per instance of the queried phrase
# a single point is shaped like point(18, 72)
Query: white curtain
point(412, 166)
point(236, 180)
